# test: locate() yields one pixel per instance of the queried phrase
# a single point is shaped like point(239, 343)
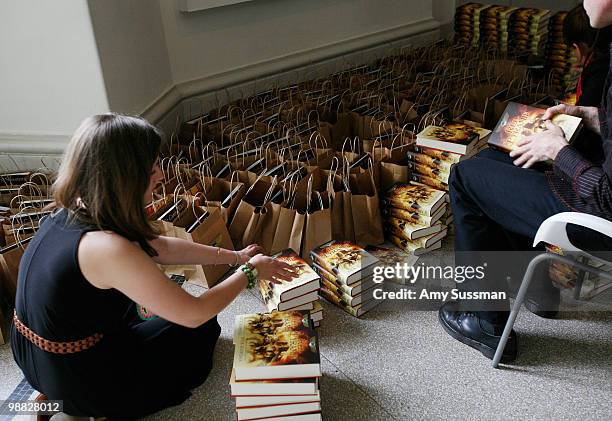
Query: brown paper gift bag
point(246, 224)
point(289, 223)
point(480, 103)
point(211, 231)
point(337, 206)
point(367, 220)
point(164, 221)
point(342, 128)
point(390, 164)
point(222, 194)
point(318, 226)
point(348, 228)
point(324, 154)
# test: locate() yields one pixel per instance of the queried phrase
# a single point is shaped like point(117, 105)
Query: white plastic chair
point(554, 231)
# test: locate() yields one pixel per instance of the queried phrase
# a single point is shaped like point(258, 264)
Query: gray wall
point(50, 77)
point(132, 50)
point(228, 38)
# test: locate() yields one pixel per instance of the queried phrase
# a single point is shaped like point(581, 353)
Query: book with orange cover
point(414, 231)
point(430, 161)
point(307, 280)
point(431, 172)
point(445, 156)
point(520, 120)
point(417, 247)
point(278, 345)
point(347, 261)
point(356, 311)
point(415, 198)
point(415, 217)
point(452, 137)
point(429, 181)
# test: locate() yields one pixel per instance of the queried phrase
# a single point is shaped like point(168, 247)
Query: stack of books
point(439, 147)
point(390, 255)
point(277, 367)
point(346, 271)
point(561, 58)
point(414, 214)
point(467, 23)
point(529, 31)
point(494, 27)
point(301, 293)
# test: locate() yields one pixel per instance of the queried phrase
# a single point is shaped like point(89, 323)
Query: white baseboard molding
point(12, 143)
point(158, 109)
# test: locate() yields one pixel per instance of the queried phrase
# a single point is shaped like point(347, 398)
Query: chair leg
point(580, 279)
point(518, 302)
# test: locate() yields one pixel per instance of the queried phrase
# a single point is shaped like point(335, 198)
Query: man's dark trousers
point(498, 206)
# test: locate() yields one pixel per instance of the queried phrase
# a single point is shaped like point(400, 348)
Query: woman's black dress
point(138, 367)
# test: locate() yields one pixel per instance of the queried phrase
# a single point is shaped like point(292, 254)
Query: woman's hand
point(272, 270)
point(540, 146)
point(589, 115)
point(246, 253)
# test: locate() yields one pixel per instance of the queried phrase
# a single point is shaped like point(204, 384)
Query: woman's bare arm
point(108, 260)
point(176, 251)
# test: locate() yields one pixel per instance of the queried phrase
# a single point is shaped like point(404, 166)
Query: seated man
point(499, 201)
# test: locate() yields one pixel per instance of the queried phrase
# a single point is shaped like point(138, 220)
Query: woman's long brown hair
point(105, 173)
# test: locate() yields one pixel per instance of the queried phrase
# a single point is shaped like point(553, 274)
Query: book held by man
point(519, 121)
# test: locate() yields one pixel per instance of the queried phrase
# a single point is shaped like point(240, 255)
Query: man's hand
point(589, 115)
point(539, 147)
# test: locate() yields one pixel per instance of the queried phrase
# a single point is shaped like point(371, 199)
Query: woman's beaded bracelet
point(251, 273)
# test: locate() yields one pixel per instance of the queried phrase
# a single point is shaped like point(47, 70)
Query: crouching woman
point(76, 333)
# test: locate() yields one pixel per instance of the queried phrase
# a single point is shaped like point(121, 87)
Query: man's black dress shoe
point(466, 327)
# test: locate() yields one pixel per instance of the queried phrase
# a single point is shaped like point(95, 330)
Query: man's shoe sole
point(484, 349)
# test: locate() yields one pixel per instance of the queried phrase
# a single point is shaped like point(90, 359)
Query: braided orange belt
point(56, 347)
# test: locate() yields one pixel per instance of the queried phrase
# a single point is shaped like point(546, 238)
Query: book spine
point(332, 280)
point(413, 217)
point(424, 159)
point(401, 235)
point(431, 172)
point(323, 263)
point(403, 244)
point(334, 299)
point(429, 181)
point(397, 224)
point(406, 205)
point(338, 291)
point(449, 157)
